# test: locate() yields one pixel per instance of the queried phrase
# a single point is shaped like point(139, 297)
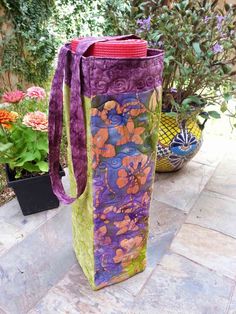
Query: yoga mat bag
point(112, 108)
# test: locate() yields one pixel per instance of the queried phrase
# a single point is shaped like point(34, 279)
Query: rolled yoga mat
point(112, 111)
point(129, 48)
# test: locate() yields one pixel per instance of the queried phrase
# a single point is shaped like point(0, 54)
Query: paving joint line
point(230, 298)
point(204, 266)
point(211, 229)
point(28, 234)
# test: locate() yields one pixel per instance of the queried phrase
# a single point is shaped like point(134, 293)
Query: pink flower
point(36, 92)
point(36, 120)
point(13, 97)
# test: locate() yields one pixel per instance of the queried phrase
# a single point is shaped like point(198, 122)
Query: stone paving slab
point(2, 311)
point(164, 218)
point(180, 286)
point(212, 151)
point(224, 179)
point(73, 295)
point(207, 247)
point(35, 264)
point(164, 222)
point(14, 227)
point(39, 272)
point(232, 308)
point(181, 189)
point(215, 211)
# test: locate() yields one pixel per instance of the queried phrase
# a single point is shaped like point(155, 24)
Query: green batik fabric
point(82, 208)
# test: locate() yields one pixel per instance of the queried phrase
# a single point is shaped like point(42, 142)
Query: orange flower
point(101, 236)
point(131, 244)
point(135, 174)
point(129, 133)
point(133, 108)
point(99, 148)
point(7, 118)
point(126, 225)
point(129, 250)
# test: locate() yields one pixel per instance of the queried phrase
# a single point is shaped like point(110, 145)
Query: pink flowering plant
point(199, 40)
point(35, 92)
point(35, 97)
point(24, 146)
point(13, 97)
point(24, 143)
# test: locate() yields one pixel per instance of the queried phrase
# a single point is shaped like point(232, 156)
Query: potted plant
point(24, 151)
point(199, 40)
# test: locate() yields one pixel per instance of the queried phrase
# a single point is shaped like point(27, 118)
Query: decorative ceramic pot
point(179, 141)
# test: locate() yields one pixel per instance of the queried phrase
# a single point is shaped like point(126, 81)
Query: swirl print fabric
point(124, 135)
point(110, 219)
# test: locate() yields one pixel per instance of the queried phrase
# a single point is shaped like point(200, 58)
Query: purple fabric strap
point(77, 121)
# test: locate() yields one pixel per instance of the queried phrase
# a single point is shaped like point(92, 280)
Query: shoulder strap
point(77, 120)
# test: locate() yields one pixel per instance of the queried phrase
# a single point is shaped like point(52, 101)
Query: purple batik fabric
point(124, 131)
point(77, 123)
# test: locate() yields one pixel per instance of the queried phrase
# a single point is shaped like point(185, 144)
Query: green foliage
point(200, 51)
point(24, 149)
point(75, 18)
point(119, 17)
point(30, 48)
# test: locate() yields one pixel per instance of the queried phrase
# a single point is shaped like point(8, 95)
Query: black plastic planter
point(34, 194)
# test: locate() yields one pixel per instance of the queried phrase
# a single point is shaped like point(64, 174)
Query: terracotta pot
point(179, 142)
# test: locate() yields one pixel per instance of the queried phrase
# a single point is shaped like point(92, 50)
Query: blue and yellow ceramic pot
point(179, 141)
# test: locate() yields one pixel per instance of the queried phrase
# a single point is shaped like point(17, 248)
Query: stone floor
point(191, 250)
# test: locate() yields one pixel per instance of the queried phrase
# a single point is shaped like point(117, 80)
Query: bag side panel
point(124, 135)
point(82, 208)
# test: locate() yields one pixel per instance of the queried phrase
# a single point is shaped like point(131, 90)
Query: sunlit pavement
point(191, 256)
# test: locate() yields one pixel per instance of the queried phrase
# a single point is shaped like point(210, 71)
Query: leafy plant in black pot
point(24, 150)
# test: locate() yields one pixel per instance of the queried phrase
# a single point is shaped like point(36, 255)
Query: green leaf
point(43, 166)
point(197, 49)
point(226, 69)
point(43, 145)
point(204, 115)
point(29, 166)
point(227, 97)
point(192, 100)
point(223, 107)
point(190, 58)
point(168, 59)
point(5, 147)
point(214, 114)
point(26, 156)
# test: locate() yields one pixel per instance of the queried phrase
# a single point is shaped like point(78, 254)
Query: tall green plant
point(30, 49)
point(199, 40)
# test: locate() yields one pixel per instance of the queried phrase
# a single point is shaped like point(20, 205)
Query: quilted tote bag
point(112, 104)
